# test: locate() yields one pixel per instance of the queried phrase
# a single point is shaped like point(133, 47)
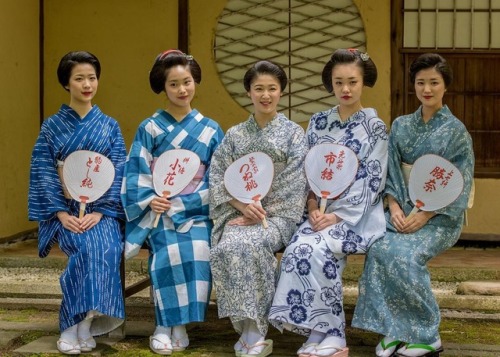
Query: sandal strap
point(165, 344)
point(259, 343)
point(390, 344)
point(243, 343)
point(421, 346)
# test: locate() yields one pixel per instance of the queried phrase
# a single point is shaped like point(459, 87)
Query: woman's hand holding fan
point(249, 178)
point(330, 170)
point(434, 183)
point(87, 175)
point(172, 172)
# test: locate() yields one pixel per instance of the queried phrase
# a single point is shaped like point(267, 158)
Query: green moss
point(470, 331)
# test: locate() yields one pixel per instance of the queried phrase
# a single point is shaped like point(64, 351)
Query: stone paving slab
point(51, 326)
point(48, 344)
point(285, 344)
point(7, 336)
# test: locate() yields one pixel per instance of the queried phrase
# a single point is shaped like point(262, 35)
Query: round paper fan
point(434, 183)
point(249, 178)
point(330, 170)
point(87, 176)
point(173, 171)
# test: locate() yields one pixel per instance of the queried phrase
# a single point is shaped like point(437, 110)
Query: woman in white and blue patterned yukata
point(395, 297)
point(309, 299)
point(92, 302)
point(242, 255)
point(180, 245)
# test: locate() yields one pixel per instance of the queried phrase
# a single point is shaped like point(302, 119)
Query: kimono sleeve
point(110, 203)
point(221, 159)
point(292, 180)
point(45, 196)
point(460, 153)
point(395, 184)
point(137, 187)
point(369, 182)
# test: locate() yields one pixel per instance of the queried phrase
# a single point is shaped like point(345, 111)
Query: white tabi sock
point(84, 329)
point(328, 346)
point(244, 336)
point(70, 335)
point(163, 330)
point(179, 332)
point(254, 336)
point(315, 337)
point(179, 337)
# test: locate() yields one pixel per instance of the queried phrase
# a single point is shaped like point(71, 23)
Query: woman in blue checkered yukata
point(179, 246)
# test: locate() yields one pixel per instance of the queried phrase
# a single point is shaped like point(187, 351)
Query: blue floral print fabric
point(242, 258)
point(309, 293)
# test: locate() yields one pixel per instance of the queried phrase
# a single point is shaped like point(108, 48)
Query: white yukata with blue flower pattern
point(309, 293)
point(242, 258)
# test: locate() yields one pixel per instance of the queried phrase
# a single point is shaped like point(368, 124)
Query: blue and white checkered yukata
point(179, 246)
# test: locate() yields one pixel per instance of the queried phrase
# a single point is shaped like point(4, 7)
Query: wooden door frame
point(400, 77)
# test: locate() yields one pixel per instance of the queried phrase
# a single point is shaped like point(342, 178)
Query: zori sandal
point(420, 350)
point(306, 349)
point(387, 347)
point(244, 347)
point(68, 348)
point(166, 348)
point(268, 349)
point(180, 344)
point(338, 352)
point(88, 344)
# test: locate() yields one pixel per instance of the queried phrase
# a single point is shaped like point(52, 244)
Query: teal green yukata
point(395, 295)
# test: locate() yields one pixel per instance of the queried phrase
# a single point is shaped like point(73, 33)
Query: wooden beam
point(398, 73)
point(28, 234)
point(480, 237)
point(41, 48)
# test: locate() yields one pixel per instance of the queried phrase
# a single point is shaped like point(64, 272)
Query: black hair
point(168, 59)
point(431, 60)
point(265, 67)
point(70, 60)
point(346, 56)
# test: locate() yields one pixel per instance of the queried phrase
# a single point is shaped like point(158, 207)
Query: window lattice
point(468, 24)
point(300, 35)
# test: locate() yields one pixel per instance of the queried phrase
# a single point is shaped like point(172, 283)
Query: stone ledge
point(489, 288)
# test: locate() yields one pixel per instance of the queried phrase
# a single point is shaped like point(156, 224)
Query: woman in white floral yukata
point(309, 299)
point(242, 257)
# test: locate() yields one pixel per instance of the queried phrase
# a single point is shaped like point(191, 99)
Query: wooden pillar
point(183, 26)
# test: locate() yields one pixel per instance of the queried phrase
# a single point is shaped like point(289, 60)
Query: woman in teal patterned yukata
point(395, 297)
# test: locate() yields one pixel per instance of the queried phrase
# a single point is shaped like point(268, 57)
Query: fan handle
point(323, 200)
point(256, 199)
point(418, 205)
point(158, 215)
point(83, 205)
